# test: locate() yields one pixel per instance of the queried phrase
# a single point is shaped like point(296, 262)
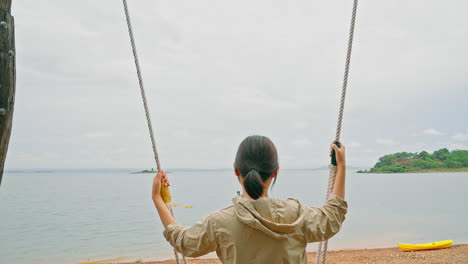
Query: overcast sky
point(218, 71)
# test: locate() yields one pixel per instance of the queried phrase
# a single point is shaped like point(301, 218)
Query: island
point(441, 160)
point(152, 171)
point(147, 171)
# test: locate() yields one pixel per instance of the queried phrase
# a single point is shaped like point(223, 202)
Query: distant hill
point(440, 160)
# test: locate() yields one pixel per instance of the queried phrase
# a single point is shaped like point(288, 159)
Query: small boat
point(433, 245)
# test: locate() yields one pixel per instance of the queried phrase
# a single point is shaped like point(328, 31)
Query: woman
point(257, 228)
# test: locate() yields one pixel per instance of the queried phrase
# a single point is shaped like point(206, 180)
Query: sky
point(217, 71)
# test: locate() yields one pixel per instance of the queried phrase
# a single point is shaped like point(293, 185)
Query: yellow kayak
point(433, 245)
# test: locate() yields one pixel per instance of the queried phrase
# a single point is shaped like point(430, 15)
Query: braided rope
point(323, 245)
point(145, 104)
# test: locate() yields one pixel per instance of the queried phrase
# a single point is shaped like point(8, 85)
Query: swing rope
point(148, 118)
point(323, 246)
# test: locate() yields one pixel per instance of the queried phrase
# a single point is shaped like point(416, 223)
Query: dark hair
point(256, 161)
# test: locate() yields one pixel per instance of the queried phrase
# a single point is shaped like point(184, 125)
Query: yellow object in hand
point(166, 194)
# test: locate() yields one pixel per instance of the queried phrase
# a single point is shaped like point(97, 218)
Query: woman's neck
point(246, 195)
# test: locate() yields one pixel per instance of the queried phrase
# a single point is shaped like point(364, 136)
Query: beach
point(457, 254)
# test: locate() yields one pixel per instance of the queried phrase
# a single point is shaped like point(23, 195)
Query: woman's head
point(256, 162)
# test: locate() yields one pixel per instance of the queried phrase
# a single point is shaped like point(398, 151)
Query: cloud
point(301, 124)
point(354, 144)
point(182, 133)
point(97, 134)
point(457, 146)
point(218, 141)
point(460, 136)
point(301, 141)
point(432, 132)
point(386, 141)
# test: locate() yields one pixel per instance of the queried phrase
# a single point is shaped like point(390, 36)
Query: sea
point(79, 216)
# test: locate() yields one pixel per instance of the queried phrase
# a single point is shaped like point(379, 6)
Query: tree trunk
point(7, 78)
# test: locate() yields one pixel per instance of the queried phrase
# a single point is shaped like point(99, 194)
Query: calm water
point(75, 217)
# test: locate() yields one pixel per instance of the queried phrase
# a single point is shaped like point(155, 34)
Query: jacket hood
point(274, 217)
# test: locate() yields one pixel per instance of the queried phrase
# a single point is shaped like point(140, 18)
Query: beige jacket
point(266, 230)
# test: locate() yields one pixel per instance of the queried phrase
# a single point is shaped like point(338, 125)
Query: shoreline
point(457, 254)
point(418, 171)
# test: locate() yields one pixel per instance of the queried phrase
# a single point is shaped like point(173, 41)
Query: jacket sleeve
point(193, 241)
point(324, 222)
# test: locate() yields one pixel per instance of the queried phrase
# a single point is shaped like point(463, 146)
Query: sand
point(457, 254)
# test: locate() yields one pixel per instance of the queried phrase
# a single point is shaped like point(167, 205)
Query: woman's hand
point(164, 213)
point(340, 176)
point(339, 153)
point(158, 180)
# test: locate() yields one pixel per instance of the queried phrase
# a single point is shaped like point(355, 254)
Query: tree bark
point(7, 78)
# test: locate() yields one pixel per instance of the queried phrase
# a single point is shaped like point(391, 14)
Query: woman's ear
point(236, 171)
point(275, 173)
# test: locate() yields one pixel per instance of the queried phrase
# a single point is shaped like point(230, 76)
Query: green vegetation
point(440, 160)
point(147, 171)
point(152, 171)
point(139, 261)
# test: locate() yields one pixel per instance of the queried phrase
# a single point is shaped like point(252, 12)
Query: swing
point(165, 193)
